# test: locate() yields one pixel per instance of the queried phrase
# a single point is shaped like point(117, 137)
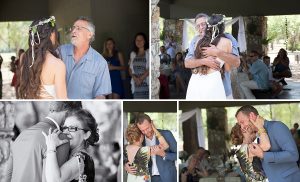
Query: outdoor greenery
point(287, 113)
point(13, 36)
point(167, 121)
point(279, 25)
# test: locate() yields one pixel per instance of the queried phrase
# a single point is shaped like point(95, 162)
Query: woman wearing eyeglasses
point(81, 129)
point(42, 74)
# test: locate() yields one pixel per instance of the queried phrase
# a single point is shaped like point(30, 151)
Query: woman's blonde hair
point(133, 133)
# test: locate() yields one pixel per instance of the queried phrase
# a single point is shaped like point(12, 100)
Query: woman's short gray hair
point(91, 25)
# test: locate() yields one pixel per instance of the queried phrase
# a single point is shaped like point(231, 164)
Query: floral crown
point(34, 30)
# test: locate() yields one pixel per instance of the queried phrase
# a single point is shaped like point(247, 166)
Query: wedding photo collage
point(149, 91)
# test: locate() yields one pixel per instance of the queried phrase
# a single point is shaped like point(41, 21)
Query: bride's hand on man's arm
point(157, 150)
point(52, 139)
point(163, 144)
point(130, 169)
point(255, 150)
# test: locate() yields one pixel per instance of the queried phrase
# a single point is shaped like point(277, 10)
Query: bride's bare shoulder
point(225, 44)
point(54, 61)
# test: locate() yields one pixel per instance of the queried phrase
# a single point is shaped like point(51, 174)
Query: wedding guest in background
point(15, 68)
point(115, 61)
point(282, 66)
point(180, 73)
point(139, 67)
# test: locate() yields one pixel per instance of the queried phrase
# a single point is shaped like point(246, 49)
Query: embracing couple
point(267, 150)
point(151, 153)
point(74, 71)
point(55, 149)
point(211, 56)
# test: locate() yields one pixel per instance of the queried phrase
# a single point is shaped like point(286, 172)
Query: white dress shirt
point(152, 142)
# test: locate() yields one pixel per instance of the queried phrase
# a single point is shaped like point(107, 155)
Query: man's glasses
point(72, 128)
point(78, 28)
point(200, 25)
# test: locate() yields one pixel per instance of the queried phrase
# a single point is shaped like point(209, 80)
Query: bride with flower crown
point(42, 73)
point(206, 83)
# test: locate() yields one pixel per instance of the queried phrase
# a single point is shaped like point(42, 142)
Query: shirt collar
point(153, 138)
point(87, 56)
point(55, 123)
point(266, 124)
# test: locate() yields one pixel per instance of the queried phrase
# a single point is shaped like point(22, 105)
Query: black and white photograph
point(60, 141)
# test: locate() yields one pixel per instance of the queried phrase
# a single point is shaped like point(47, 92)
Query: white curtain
point(200, 131)
point(185, 38)
point(241, 34)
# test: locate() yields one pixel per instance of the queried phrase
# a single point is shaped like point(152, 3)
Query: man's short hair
point(91, 25)
point(247, 109)
point(266, 57)
point(65, 105)
point(141, 117)
point(201, 15)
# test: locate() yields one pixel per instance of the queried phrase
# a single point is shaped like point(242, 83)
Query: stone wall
point(256, 32)
point(155, 63)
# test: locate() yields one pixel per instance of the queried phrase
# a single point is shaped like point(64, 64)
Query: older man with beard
point(280, 161)
point(87, 71)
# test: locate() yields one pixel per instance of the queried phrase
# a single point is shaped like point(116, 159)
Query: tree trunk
point(190, 138)
point(217, 130)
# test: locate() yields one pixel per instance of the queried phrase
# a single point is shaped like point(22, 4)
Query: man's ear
point(252, 116)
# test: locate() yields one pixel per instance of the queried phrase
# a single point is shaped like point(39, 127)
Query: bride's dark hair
point(213, 33)
point(39, 42)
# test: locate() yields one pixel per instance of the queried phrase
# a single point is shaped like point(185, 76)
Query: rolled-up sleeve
point(190, 54)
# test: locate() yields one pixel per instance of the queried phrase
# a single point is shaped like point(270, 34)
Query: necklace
point(57, 126)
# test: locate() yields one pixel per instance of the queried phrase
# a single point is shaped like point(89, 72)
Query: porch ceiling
point(23, 10)
point(150, 106)
point(177, 9)
point(186, 106)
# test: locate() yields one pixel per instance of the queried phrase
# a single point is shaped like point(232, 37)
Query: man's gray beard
point(73, 42)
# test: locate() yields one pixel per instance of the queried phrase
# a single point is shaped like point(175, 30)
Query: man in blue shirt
point(232, 59)
point(258, 75)
point(87, 71)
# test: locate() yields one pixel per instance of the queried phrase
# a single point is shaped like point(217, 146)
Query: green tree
point(279, 26)
point(13, 36)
